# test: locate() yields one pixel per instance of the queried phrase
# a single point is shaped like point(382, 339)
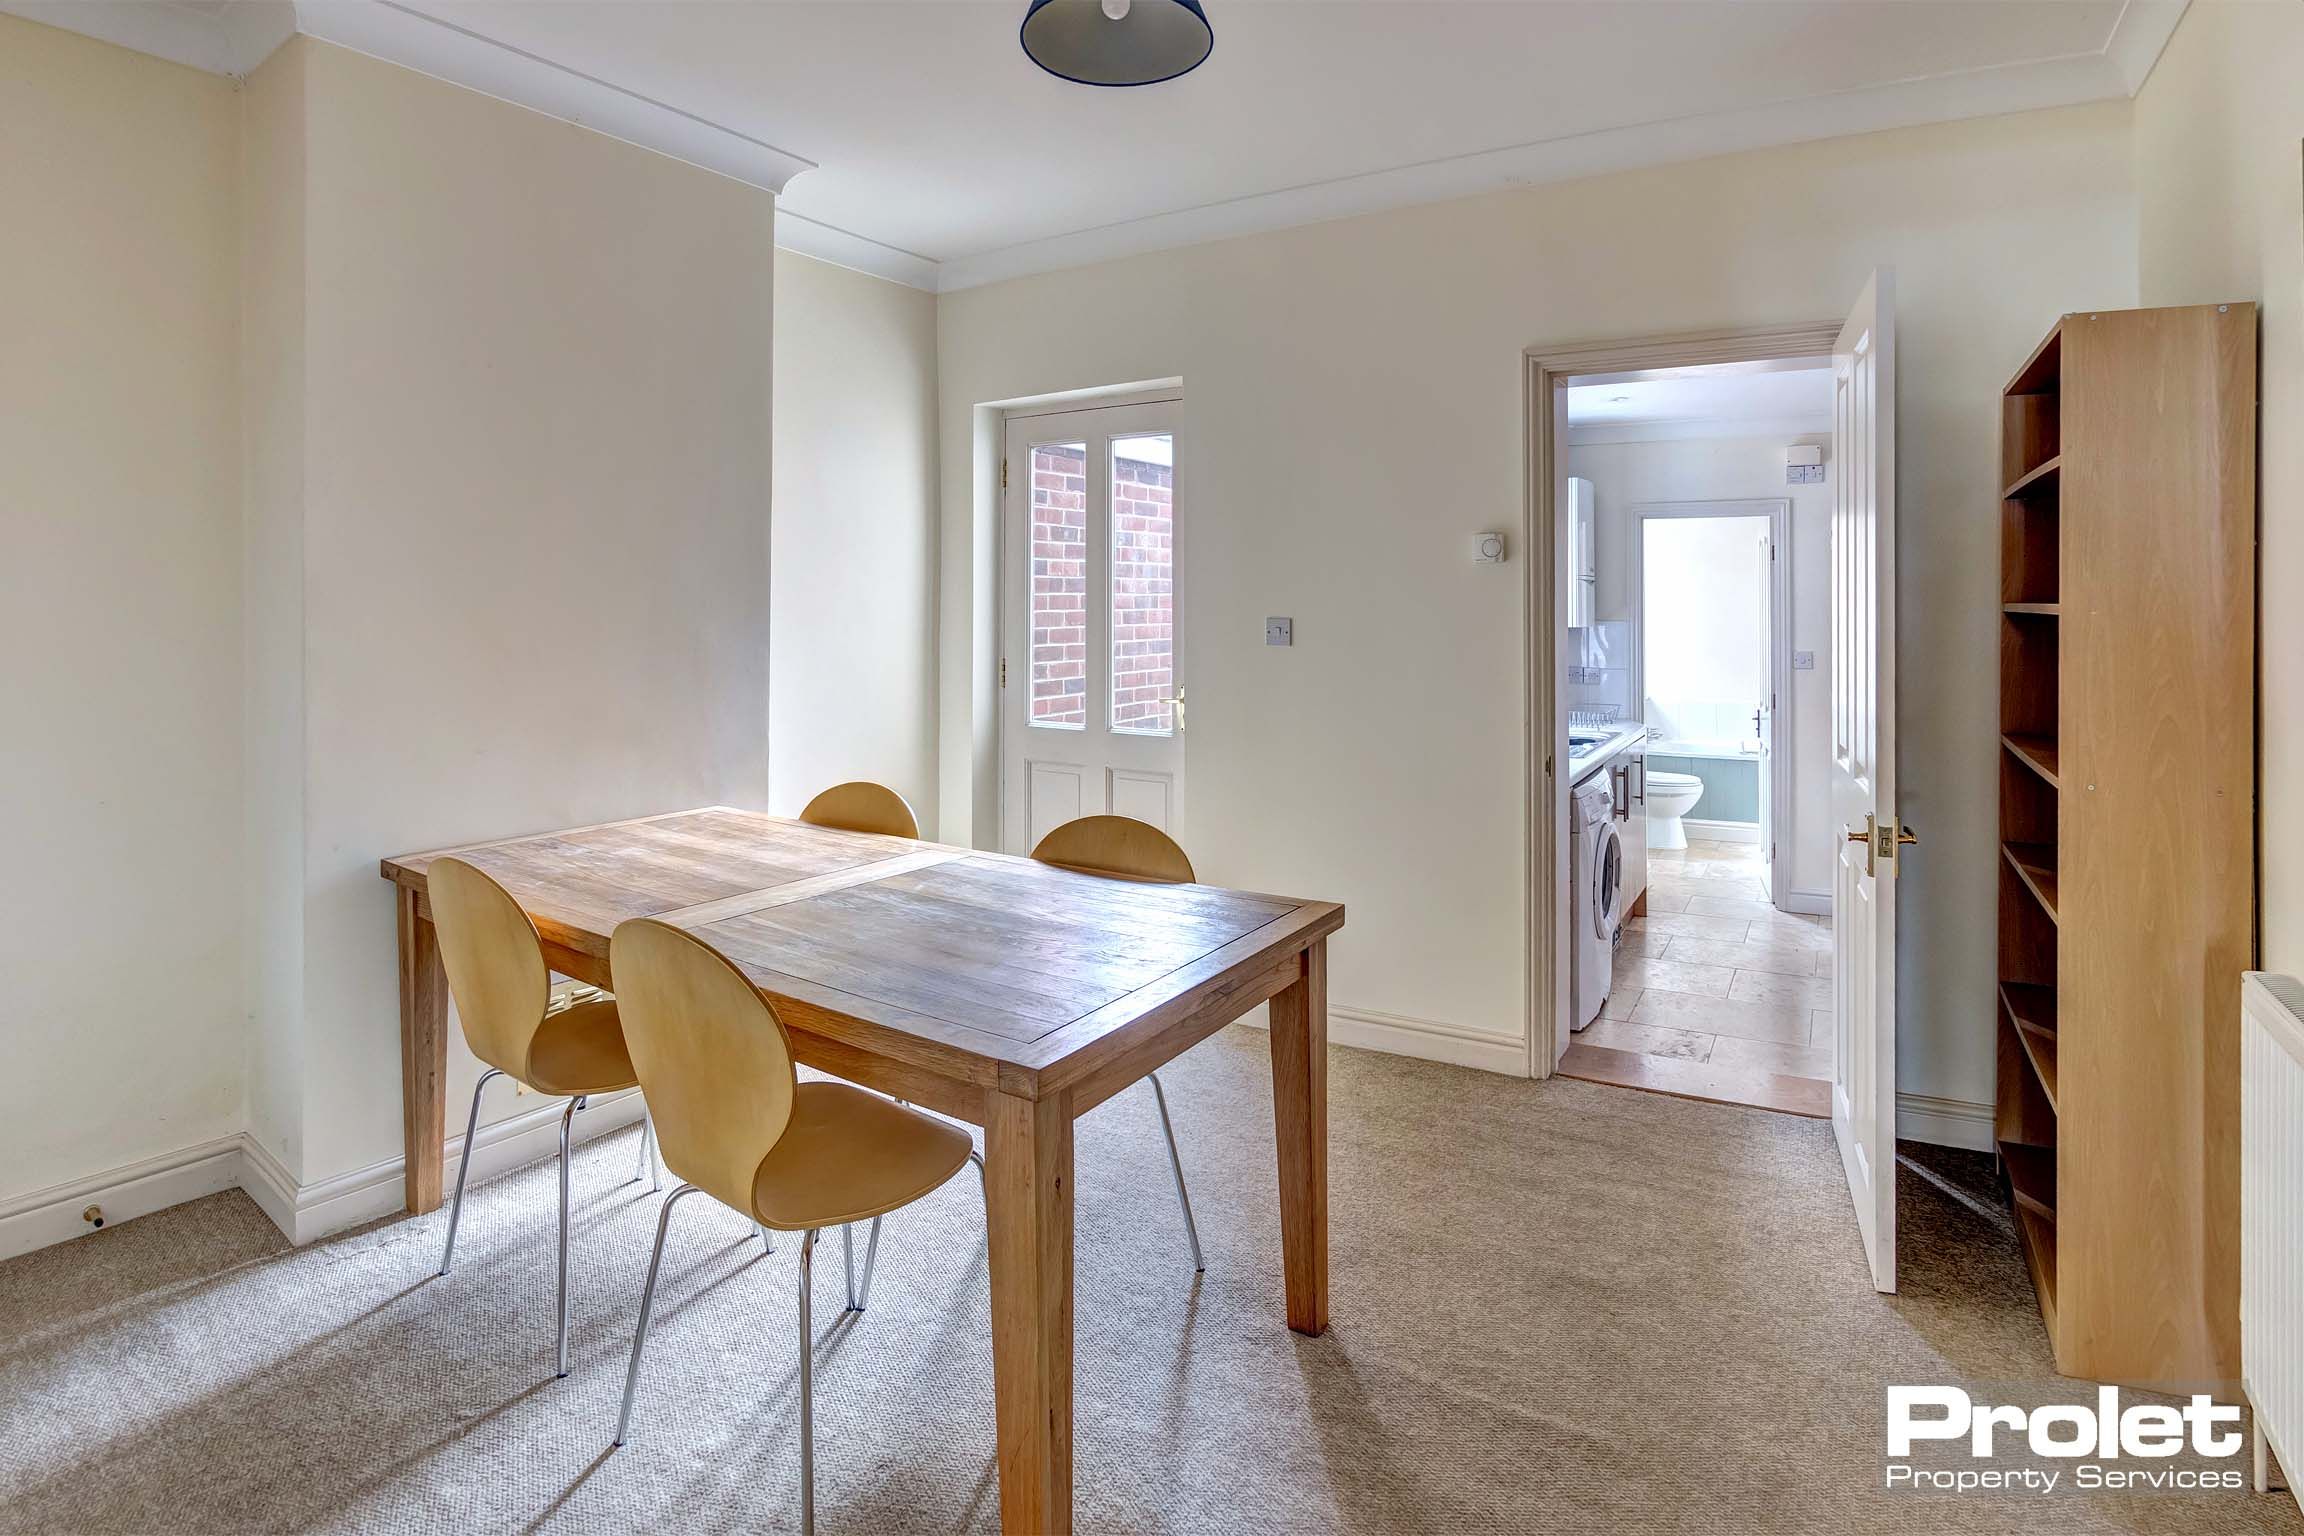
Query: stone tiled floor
point(1715, 973)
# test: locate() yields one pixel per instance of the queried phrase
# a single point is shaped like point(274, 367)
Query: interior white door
point(1764, 717)
point(1864, 766)
point(1091, 679)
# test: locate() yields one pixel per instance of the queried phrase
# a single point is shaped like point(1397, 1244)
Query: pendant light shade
point(1117, 42)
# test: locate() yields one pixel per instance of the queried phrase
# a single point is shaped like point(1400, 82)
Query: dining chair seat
point(847, 1156)
point(516, 1026)
point(580, 1051)
point(737, 1125)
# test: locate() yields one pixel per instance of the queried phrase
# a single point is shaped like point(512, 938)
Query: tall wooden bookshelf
point(2127, 903)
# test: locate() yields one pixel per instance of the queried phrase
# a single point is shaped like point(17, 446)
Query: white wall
point(271, 252)
point(1626, 474)
point(852, 665)
point(534, 526)
point(1353, 393)
point(2220, 192)
point(119, 608)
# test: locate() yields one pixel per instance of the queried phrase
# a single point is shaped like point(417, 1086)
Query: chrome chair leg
point(1176, 1166)
point(863, 1295)
point(848, 1260)
point(807, 1389)
point(651, 1161)
point(464, 1166)
point(767, 1243)
point(560, 1343)
point(647, 1305)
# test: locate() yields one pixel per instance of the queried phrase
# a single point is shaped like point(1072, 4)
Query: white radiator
point(2272, 1212)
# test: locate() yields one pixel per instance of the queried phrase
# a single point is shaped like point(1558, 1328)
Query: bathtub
point(1731, 777)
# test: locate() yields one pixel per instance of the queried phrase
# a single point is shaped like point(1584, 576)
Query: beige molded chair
point(863, 806)
point(1123, 847)
point(734, 1122)
point(503, 993)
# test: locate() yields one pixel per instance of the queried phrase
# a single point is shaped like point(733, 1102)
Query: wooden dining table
point(1010, 994)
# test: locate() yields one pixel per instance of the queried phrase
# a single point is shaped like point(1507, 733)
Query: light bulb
point(1114, 10)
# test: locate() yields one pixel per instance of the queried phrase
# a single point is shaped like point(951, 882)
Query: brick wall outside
point(1143, 594)
point(1059, 585)
point(1143, 590)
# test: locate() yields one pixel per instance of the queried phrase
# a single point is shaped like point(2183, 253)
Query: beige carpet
point(1558, 1307)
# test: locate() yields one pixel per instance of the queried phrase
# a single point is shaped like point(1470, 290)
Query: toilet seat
point(1658, 780)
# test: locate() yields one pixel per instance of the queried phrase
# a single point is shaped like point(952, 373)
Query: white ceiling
point(943, 157)
point(1703, 403)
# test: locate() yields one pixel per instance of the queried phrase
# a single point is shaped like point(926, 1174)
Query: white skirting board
point(302, 1213)
point(1944, 1122)
point(52, 1215)
point(1397, 1034)
point(1919, 1116)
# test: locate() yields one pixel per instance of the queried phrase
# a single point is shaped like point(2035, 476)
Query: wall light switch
point(1803, 661)
point(1279, 631)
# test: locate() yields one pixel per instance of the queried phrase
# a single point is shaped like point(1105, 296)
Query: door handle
point(1880, 843)
point(1179, 705)
point(1619, 792)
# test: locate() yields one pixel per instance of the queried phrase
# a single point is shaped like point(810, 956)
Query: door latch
point(1881, 840)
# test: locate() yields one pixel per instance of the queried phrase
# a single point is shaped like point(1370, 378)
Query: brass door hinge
point(1003, 474)
point(1003, 671)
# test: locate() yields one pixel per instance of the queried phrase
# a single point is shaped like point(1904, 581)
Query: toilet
point(1670, 797)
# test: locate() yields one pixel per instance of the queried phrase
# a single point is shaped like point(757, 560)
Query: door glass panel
point(1060, 585)
point(1144, 584)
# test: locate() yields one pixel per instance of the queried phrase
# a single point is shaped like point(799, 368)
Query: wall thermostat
point(1488, 548)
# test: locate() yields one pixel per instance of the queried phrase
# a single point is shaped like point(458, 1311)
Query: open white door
point(1764, 718)
point(1864, 766)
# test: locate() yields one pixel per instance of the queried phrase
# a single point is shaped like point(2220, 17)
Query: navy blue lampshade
point(1146, 42)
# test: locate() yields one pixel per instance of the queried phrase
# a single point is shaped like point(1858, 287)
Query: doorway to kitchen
point(1695, 645)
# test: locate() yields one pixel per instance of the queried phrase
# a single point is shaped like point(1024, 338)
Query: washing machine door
point(1606, 874)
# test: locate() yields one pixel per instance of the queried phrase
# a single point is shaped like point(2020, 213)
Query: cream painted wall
point(1353, 398)
point(852, 665)
point(119, 608)
point(1624, 475)
point(535, 483)
point(2220, 198)
point(272, 375)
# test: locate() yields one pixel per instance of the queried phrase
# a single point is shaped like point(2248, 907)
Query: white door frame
point(1003, 596)
point(1778, 512)
point(1543, 611)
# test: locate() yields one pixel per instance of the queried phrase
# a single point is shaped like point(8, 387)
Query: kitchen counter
point(1584, 761)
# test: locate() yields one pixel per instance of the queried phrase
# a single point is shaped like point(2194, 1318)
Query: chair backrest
point(1116, 845)
point(863, 806)
point(710, 1053)
point(494, 960)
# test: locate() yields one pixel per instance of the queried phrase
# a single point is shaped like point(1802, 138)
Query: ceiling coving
point(921, 143)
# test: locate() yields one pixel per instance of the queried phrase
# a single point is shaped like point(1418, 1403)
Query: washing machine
point(1595, 878)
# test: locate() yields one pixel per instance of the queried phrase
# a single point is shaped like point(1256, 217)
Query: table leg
point(1300, 1116)
point(1028, 1205)
point(423, 1054)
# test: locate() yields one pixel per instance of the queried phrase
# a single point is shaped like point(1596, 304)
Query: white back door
point(1864, 766)
point(1091, 678)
